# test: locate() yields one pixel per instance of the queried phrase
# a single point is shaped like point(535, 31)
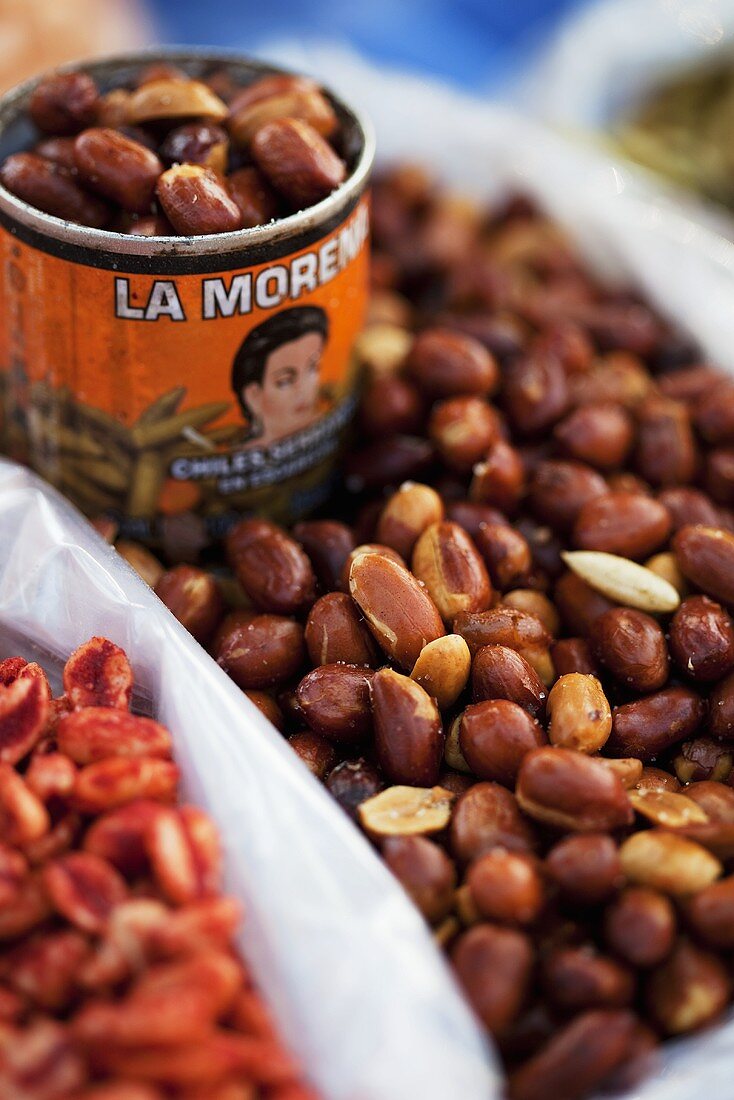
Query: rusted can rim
point(109, 69)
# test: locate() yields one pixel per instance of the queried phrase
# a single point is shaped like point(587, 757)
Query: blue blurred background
point(476, 44)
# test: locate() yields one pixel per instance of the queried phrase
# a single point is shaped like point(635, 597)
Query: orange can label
point(177, 393)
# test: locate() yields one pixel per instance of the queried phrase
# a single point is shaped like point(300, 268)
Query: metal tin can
point(135, 371)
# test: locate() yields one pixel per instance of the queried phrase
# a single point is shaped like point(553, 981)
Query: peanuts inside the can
point(507, 650)
point(119, 974)
point(171, 154)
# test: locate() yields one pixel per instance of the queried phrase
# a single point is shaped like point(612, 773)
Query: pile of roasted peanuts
point(174, 155)
point(118, 975)
point(511, 658)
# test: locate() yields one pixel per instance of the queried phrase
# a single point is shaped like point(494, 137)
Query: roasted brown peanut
point(599, 435)
point(271, 567)
point(446, 363)
point(64, 103)
point(407, 514)
point(651, 725)
point(506, 554)
point(499, 672)
point(493, 965)
point(688, 991)
point(506, 887)
point(118, 168)
point(586, 867)
point(535, 392)
point(335, 631)
point(573, 655)
point(709, 914)
point(487, 816)
point(577, 1058)
point(194, 598)
point(399, 612)
point(196, 202)
point(499, 479)
point(666, 452)
point(569, 790)
point(261, 651)
point(335, 701)
point(252, 195)
point(425, 871)
point(390, 405)
point(625, 523)
point(463, 429)
point(328, 544)
point(443, 669)
point(579, 978)
point(495, 736)
point(171, 96)
point(51, 188)
point(640, 926)
point(580, 606)
point(299, 163)
point(579, 715)
point(667, 862)
point(352, 783)
point(408, 731)
point(706, 557)
point(632, 646)
point(559, 490)
point(446, 561)
point(248, 115)
point(702, 639)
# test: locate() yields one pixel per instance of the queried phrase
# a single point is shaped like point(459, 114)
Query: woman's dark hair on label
point(251, 360)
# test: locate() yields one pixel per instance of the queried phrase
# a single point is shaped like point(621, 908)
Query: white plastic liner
point(344, 959)
point(358, 989)
point(606, 54)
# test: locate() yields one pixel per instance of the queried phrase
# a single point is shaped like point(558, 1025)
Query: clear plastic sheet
point(345, 961)
point(607, 54)
point(347, 965)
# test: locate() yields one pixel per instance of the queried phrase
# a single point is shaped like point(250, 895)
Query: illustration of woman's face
point(286, 399)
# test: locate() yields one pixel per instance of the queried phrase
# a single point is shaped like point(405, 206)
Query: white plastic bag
point(344, 959)
point(608, 53)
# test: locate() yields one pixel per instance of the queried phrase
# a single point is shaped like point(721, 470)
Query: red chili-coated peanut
point(117, 780)
point(98, 674)
point(96, 733)
point(84, 889)
point(183, 848)
point(24, 712)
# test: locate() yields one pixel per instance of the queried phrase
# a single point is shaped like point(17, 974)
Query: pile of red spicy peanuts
point(510, 655)
point(119, 979)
